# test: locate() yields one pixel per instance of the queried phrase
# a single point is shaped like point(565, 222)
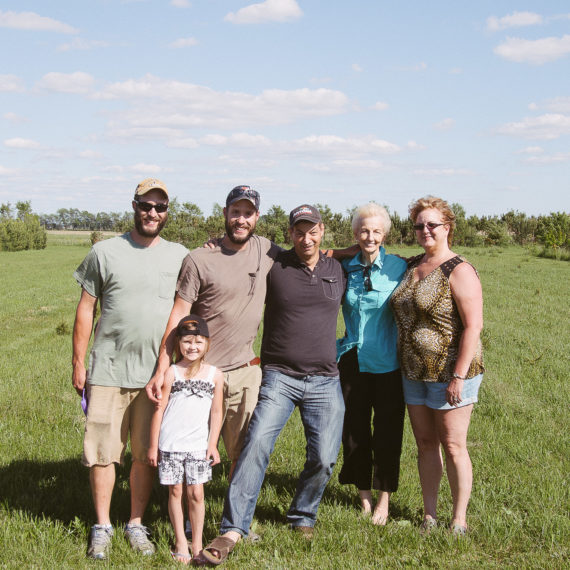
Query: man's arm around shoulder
point(180, 309)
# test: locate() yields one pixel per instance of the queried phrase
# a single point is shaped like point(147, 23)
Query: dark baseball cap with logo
point(243, 193)
point(304, 213)
point(192, 324)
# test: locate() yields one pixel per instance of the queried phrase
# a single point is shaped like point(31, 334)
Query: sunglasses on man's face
point(147, 207)
point(430, 226)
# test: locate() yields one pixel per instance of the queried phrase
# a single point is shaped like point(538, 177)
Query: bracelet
point(458, 376)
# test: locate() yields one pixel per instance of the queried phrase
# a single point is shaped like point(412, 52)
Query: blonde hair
point(368, 211)
point(439, 204)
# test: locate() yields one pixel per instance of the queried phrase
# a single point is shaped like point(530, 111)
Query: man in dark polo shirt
point(298, 359)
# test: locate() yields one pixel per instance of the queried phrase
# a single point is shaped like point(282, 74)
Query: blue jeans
point(322, 411)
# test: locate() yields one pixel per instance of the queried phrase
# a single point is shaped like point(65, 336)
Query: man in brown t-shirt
point(226, 286)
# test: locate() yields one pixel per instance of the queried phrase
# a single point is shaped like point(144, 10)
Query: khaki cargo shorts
point(112, 414)
point(241, 389)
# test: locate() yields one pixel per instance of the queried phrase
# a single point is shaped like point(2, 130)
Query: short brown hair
point(439, 204)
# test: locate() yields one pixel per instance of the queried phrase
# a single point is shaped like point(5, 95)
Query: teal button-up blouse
point(370, 325)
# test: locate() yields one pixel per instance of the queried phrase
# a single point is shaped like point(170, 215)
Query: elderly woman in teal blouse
point(368, 364)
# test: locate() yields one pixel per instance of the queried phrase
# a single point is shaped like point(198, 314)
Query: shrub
point(20, 234)
point(95, 237)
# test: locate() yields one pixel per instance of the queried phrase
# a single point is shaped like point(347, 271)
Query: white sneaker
point(99, 541)
point(138, 538)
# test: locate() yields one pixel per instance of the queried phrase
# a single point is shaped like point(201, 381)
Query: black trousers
point(371, 452)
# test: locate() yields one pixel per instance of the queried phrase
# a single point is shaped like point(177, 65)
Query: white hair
point(368, 211)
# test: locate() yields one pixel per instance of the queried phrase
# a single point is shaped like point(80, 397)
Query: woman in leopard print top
point(438, 307)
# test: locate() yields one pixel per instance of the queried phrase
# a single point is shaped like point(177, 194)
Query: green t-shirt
point(135, 286)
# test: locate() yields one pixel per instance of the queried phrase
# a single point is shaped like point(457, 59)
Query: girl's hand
point(213, 455)
point(453, 392)
point(152, 457)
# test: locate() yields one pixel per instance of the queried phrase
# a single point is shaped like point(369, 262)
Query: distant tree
point(274, 225)
point(6, 211)
point(185, 224)
point(215, 224)
point(22, 232)
point(401, 231)
point(554, 230)
point(24, 209)
point(521, 227)
point(338, 228)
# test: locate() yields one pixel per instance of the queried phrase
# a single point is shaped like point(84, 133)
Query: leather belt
point(253, 362)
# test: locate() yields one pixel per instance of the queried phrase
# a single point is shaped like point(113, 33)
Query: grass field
point(519, 441)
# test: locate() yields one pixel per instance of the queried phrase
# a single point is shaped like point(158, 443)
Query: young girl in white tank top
point(184, 431)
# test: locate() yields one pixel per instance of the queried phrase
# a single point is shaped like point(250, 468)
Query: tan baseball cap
point(149, 184)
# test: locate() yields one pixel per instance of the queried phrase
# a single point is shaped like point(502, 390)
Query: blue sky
point(315, 101)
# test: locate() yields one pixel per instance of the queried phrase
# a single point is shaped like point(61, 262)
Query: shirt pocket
point(379, 295)
point(331, 288)
point(167, 284)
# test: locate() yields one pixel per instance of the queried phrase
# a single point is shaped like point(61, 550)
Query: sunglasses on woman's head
point(430, 225)
point(147, 207)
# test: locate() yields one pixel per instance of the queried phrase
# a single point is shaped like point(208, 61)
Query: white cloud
point(14, 118)
point(347, 165)
point(420, 66)
point(456, 71)
point(556, 158)
point(32, 21)
point(531, 150)
point(380, 106)
point(549, 126)
point(183, 143)
point(444, 125)
point(158, 103)
point(4, 171)
point(146, 168)
point(21, 143)
point(180, 3)
point(268, 11)
point(80, 44)
point(183, 42)
point(559, 105)
point(443, 172)
point(11, 83)
point(78, 82)
point(90, 154)
point(237, 140)
point(532, 106)
point(514, 20)
point(333, 143)
point(357, 68)
point(535, 52)
point(413, 145)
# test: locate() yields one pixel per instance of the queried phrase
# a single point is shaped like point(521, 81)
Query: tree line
point(187, 224)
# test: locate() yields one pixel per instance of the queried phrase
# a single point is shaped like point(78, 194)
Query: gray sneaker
point(138, 538)
point(99, 541)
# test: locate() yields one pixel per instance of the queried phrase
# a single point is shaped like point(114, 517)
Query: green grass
point(518, 442)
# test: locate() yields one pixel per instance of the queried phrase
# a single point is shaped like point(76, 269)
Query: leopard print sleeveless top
point(429, 325)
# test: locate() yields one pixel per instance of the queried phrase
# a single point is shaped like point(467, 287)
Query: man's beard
point(232, 237)
point(146, 233)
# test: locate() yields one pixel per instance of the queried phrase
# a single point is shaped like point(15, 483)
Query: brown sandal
point(220, 545)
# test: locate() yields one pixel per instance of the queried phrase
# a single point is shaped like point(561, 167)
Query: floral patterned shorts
point(174, 465)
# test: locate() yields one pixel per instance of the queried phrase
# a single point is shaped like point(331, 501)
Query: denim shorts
point(432, 394)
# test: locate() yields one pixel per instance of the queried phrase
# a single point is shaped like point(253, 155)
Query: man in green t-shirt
point(133, 277)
